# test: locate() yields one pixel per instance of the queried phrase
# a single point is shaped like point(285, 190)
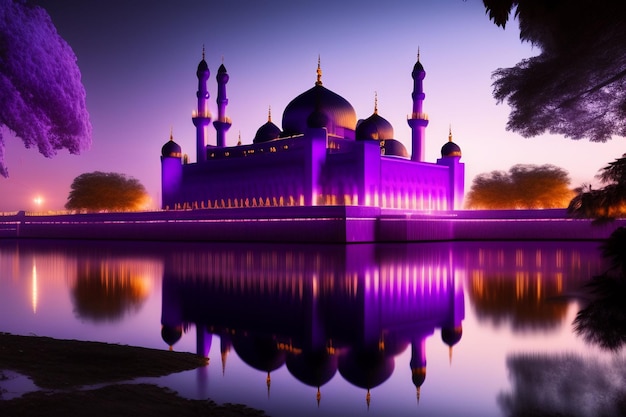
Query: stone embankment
point(333, 224)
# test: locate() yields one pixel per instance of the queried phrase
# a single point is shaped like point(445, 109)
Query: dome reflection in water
point(338, 310)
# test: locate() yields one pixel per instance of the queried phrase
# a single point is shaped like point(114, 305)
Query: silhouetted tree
point(606, 203)
point(523, 187)
point(602, 321)
point(42, 99)
point(576, 85)
point(95, 191)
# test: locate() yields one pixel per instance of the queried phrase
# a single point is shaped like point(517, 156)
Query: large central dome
point(340, 115)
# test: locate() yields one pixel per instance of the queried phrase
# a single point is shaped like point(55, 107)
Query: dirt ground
point(62, 368)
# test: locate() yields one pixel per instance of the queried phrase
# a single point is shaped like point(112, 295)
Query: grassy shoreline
point(61, 368)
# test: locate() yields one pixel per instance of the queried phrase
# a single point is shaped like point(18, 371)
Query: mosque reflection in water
point(350, 310)
point(345, 309)
point(325, 315)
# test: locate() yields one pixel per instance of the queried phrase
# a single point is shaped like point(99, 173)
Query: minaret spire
point(269, 114)
point(450, 133)
point(202, 116)
point(319, 71)
point(223, 123)
point(418, 120)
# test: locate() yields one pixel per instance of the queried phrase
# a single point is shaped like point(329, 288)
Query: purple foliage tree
point(42, 99)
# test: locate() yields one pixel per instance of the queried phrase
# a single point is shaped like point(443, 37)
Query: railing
point(224, 119)
point(206, 114)
point(422, 116)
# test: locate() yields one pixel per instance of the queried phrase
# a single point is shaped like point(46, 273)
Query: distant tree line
point(522, 187)
point(98, 191)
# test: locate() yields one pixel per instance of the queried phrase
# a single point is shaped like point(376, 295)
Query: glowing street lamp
point(38, 201)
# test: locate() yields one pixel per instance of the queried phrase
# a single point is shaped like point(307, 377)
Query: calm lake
point(436, 329)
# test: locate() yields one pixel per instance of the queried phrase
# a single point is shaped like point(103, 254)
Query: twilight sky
point(138, 60)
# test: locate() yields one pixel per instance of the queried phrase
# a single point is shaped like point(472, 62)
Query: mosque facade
point(322, 156)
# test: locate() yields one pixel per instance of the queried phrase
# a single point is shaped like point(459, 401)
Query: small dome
point(269, 131)
point(340, 114)
point(313, 368)
point(392, 147)
point(451, 335)
point(374, 127)
point(259, 351)
point(366, 368)
point(171, 334)
point(450, 149)
point(171, 149)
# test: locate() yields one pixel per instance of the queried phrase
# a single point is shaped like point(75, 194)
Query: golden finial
point(368, 398)
point(171, 133)
point(319, 71)
point(203, 55)
point(375, 102)
point(418, 389)
point(268, 382)
point(269, 114)
point(224, 363)
point(418, 54)
point(318, 396)
point(239, 140)
point(450, 133)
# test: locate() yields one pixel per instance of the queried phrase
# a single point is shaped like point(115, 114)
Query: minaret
point(202, 116)
point(223, 123)
point(418, 120)
point(418, 362)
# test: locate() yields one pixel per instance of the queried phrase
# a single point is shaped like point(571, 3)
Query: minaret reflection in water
point(319, 310)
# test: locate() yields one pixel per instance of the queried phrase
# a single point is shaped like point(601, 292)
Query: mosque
point(322, 156)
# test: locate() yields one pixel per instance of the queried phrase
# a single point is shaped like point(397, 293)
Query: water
point(437, 329)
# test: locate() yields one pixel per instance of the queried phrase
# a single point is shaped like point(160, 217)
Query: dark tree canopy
point(523, 187)
point(97, 191)
point(42, 98)
point(576, 86)
point(605, 203)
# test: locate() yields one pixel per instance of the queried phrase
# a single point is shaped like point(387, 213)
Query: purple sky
point(138, 60)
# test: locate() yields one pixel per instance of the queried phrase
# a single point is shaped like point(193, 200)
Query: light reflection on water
point(433, 329)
